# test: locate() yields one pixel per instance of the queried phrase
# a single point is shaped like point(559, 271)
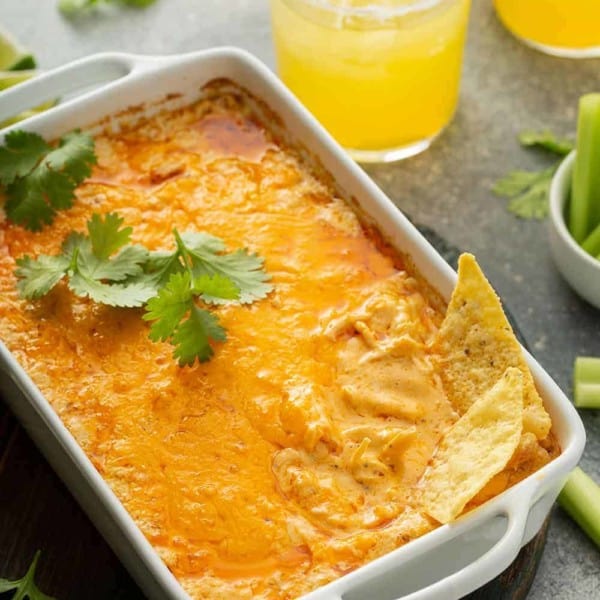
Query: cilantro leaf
point(198, 267)
point(192, 338)
point(171, 304)
point(528, 192)
point(105, 279)
point(74, 156)
point(243, 269)
point(20, 154)
point(160, 266)
point(126, 264)
point(532, 204)
point(106, 235)
point(98, 276)
point(204, 255)
point(34, 195)
point(25, 587)
point(518, 182)
point(74, 240)
point(130, 295)
point(26, 204)
point(38, 277)
point(547, 140)
point(216, 288)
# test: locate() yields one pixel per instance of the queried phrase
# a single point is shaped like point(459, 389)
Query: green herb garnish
point(528, 191)
point(178, 319)
point(198, 270)
point(176, 287)
point(39, 179)
point(99, 266)
point(203, 254)
point(25, 587)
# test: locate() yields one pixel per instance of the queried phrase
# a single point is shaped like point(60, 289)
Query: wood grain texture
point(515, 582)
point(38, 512)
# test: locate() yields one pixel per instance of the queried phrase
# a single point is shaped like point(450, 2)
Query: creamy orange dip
point(292, 456)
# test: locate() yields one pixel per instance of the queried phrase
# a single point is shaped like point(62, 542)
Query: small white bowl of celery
point(575, 243)
point(575, 207)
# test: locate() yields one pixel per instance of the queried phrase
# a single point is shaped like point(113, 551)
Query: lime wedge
point(16, 66)
point(13, 57)
point(27, 113)
point(10, 78)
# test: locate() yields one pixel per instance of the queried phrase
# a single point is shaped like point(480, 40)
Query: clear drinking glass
point(569, 28)
point(381, 75)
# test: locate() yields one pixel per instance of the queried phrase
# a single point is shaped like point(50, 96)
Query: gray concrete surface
point(506, 88)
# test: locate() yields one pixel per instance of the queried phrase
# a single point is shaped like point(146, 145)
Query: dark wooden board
point(38, 512)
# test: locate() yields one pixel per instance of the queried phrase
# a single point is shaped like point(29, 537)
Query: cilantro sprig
point(177, 288)
point(203, 254)
point(25, 587)
point(528, 191)
point(39, 179)
point(199, 270)
point(178, 319)
point(100, 266)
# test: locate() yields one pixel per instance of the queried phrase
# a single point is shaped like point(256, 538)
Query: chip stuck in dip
point(345, 413)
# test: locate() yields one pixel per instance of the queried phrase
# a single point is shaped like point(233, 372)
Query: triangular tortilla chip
point(476, 344)
point(475, 448)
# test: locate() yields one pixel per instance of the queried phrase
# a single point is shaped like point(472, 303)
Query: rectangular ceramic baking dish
point(445, 564)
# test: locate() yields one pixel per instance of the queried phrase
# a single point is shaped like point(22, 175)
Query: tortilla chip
point(477, 447)
point(476, 345)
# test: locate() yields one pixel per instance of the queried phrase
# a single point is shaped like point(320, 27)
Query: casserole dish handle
point(81, 76)
point(514, 509)
point(491, 563)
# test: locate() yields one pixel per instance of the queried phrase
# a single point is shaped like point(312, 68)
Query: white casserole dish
point(445, 564)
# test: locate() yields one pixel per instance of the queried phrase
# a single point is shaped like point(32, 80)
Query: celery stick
point(586, 382)
point(591, 244)
point(580, 497)
point(587, 395)
point(584, 212)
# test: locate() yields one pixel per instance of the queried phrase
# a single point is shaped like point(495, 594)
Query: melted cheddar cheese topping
point(292, 456)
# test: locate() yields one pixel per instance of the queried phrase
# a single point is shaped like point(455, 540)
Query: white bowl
point(580, 270)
